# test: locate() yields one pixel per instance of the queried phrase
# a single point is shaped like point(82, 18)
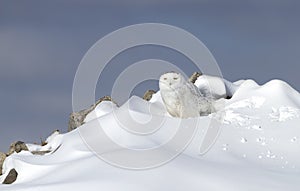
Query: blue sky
point(43, 42)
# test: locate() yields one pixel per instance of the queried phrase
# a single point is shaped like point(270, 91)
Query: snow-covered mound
point(258, 148)
point(53, 142)
point(216, 87)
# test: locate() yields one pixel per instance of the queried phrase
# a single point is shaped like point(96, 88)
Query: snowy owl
point(182, 98)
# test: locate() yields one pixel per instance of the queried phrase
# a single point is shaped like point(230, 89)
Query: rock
point(43, 142)
point(148, 95)
point(76, 119)
point(195, 76)
point(2, 159)
point(11, 177)
point(17, 147)
point(55, 131)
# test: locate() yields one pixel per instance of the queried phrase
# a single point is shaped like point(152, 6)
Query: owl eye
point(165, 78)
point(175, 78)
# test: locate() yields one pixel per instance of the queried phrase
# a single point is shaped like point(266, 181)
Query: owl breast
point(172, 103)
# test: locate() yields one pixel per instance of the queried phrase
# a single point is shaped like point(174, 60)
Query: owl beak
point(170, 83)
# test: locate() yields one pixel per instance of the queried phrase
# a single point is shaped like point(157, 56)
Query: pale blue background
point(42, 43)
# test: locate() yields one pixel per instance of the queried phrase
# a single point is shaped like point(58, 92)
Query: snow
point(253, 102)
point(216, 87)
point(53, 142)
point(104, 108)
point(284, 113)
point(257, 148)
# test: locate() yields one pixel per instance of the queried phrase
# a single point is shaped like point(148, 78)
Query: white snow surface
point(100, 110)
point(53, 142)
point(258, 148)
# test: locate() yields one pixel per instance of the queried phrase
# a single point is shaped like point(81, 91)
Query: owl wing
point(204, 102)
point(194, 89)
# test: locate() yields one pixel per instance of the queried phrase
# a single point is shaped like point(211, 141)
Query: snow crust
point(258, 148)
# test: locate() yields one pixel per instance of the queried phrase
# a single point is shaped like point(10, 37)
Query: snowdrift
point(258, 148)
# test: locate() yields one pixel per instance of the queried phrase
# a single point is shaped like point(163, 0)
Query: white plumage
point(182, 98)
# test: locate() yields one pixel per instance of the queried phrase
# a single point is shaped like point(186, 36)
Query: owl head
point(171, 81)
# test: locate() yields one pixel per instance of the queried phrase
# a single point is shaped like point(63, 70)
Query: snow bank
point(257, 149)
point(216, 87)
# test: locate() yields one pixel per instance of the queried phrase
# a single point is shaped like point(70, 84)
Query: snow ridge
point(259, 141)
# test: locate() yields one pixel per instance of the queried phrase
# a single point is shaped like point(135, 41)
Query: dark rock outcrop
point(2, 159)
point(17, 147)
point(148, 95)
point(11, 177)
point(76, 119)
point(195, 76)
